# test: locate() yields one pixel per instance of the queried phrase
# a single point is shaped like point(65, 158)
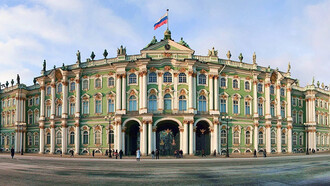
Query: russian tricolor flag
point(161, 21)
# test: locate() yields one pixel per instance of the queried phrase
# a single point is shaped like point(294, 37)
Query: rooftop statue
point(228, 54)
point(313, 81)
point(121, 50)
point(92, 55)
point(289, 67)
point(318, 84)
point(182, 42)
point(254, 57)
point(34, 81)
point(18, 79)
point(152, 42)
point(213, 52)
point(78, 57)
point(54, 67)
point(322, 85)
point(12, 82)
point(7, 84)
point(44, 65)
point(297, 82)
point(240, 57)
point(105, 53)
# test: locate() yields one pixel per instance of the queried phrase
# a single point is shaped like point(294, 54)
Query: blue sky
point(278, 31)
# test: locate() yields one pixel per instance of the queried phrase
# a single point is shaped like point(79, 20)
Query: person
point(110, 153)
point(153, 154)
point(106, 152)
point(12, 153)
point(157, 154)
point(60, 153)
point(265, 153)
point(71, 153)
point(93, 153)
point(255, 153)
point(181, 154)
point(116, 154)
point(138, 155)
point(313, 151)
point(121, 154)
point(215, 153)
point(203, 153)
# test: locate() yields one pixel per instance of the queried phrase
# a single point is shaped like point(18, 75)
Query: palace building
point(164, 98)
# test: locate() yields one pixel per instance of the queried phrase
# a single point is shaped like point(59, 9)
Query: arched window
point(58, 138)
point(202, 103)
point(272, 91)
point(236, 137)
point(111, 105)
point(182, 78)
point(59, 110)
point(261, 138)
point(98, 106)
point(294, 117)
point(223, 137)
point(152, 104)
point(29, 140)
point(59, 88)
point(235, 106)
point(259, 88)
point(282, 92)
point(301, 140)
point(132, 106)
point(235, 83)
point(85, 84)
point(283, 138)
point(247, 108)
point(152, 77)
point(111, 137)
point(48, 111)
point(97, 137)
point(272, 109)
point(71, 138)
point(85, 137)
point(317, 118)
point(223, 105)
point(300, 118)
point(294, 139)
point(72, 86)
point(49, 90)
point(202, 79)
point(272, 138)
point(223, 82)
point(182, 103)
point(247, 85)
point(98, 83)
point(167, 77)
point(48, 138)
point(247, 137)
point(132, 79)
point(167, 102)
point(36, 139)
point(111, 82)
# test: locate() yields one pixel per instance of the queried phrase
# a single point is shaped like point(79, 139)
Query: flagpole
point(167, 18)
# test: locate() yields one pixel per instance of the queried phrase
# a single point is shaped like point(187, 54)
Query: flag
point(161, 21)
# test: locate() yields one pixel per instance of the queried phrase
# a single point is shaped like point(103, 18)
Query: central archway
point(167, 137)
point(203, 137)
point(132, 137)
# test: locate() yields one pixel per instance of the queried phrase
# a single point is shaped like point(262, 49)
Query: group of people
point(255, 153)
point(178, 153)
point(112, 153)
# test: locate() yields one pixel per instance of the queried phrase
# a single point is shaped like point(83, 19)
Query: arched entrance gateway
point(167, 137)
point(132, 137)
point(203, 137)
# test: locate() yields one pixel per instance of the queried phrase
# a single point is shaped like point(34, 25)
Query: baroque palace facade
point(165, 98)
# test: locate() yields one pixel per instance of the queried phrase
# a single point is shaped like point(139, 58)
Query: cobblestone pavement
point(284, 170)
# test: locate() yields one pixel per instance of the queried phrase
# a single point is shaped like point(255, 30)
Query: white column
point(194, 93)
point(64, 138)
point(181, 138)
point(123, 100)
point(150, 137)
point(175, 97)
point(77, 139)
point(52, 139)
point(77, 96)
point(160, 92)
point(191, 138)
point(216, 137)
point(16, 141)
point(42, 101)
point(115, 136)
point(278, 139)
point(216, 95)
point(42, 140)
point(212, 141)
point(191, 90)
point(145, 94)
point(118, 93)
point(255, 112)
point(289, 138)
point(24, 140)
point(289, 118)
point(144, 152)
point(185, 139)
point(140, 93)
point(255, 137)
point(53, 99)
point(65, 97)
point(119, 138)
point(154, 139)
point(268, 142)
point(141, 139)
point(211, 96)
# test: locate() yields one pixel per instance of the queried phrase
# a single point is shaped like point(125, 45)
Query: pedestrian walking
point(110, 153)
point(121, 154)
point(116, 154)
point(181, 153)
point(71, 153)
point(203, 153)
point(153, 154)
point(93, 153)
point(265, 153)
point(60, 153)
point(215, 153)
point(255, 153)
point(138, 155)
point(12, 153)
point(157, 154)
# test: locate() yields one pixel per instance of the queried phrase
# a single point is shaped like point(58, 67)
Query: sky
point(295, 31)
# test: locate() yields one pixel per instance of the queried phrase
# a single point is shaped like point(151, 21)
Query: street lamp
point(307, 151)
point(227, 119)
point(106, 118)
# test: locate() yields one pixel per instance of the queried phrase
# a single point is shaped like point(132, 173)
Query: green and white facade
point(165, 98)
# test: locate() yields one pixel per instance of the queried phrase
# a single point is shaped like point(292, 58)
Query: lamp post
point(109, 118)
point(227, 118)
point(307, 151)
point(21, 126)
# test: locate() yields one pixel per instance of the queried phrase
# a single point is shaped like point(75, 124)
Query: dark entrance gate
point(167, 138)
point(132, 138)
point(202, 138)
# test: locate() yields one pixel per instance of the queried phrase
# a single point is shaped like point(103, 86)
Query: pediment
point(162, 47)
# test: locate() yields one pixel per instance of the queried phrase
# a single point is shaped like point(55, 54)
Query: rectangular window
point(98, 108)
point(283, 111)
point(111, 106)
point(72, 108)
point(294, 101)
point(48, 111)
point(85, 107)
point(247, 108)
point(223, 106)
point(37, 101)
point(30, 118)
point(235, 106)
point(36, 140)
point(260, 109)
